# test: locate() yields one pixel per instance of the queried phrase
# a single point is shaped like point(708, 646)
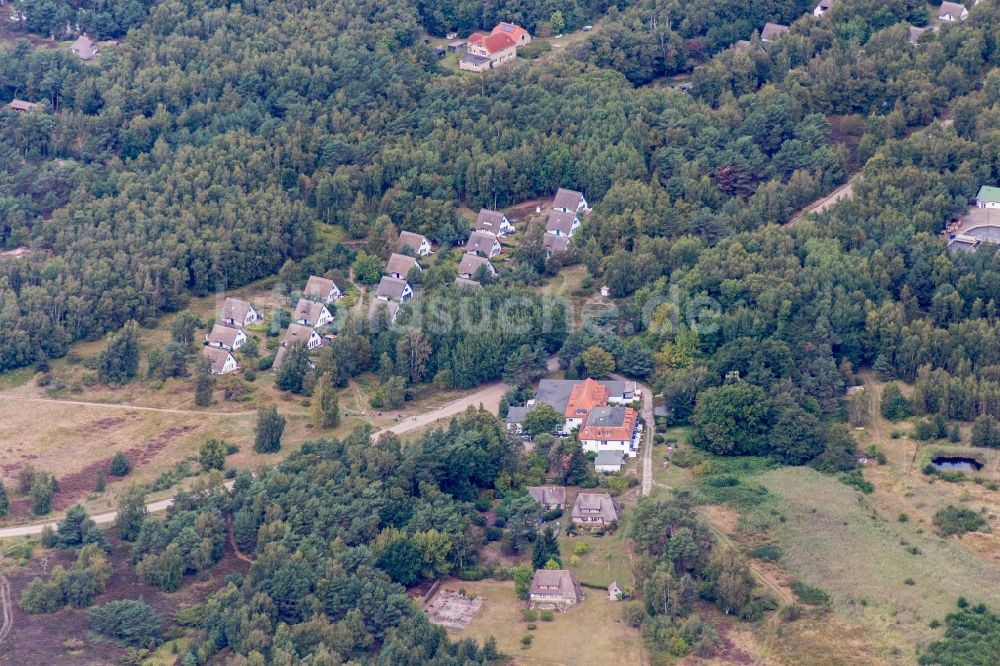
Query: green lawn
point(607, 560)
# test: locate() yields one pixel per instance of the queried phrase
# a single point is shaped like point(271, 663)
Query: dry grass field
point(590, 634)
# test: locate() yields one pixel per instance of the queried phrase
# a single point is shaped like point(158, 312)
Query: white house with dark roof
point(221, 361)
point(562, 224)
point(483, 244)
point(239, 313)
point(822, 8)
point(400, 265)
point(302, 333)
point(417, 243)
point(84, 48)
point(569, 201)
point(379, 306)
point(322, 289)
point(493, 222)
point(394, 289)
point(225, 336)
point(952, 11)
point(311, 313)
point(554, 244)
point(470, 264)
point(609, 461)
point(772, 31)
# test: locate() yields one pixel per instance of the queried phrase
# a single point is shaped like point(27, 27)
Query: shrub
point(120, 466)
point(529, 615)
point(766, 553)
point(808, 594)
point(547, 616)
point(213, 454)
point(909, 581)
point(532, 626)
point(526, 640)
point(127, 621)
point(856, 480)
point(472, 573)
point(952, 520)
point(903, 518)
point(582, 548)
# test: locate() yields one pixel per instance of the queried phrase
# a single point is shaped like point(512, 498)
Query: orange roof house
point(584, 397)
point(515, 32)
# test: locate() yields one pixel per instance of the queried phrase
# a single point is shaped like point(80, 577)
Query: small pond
point(957, 464)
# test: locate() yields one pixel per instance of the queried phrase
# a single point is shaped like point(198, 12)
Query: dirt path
point(488, 396)
point(5, 608)
point(232, 540)
point(359, 403)
point(762, 576)
point(823, 203)
point(110, 405)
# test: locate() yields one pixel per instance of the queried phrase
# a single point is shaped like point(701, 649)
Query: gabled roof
point(391, 288)
point(400, 263)
point(914, 34)
point(493, 42)
point(21, 105)
point(224, 334)
point(84, 47)
point(217, 358)
point(469, 283)
point(470, 264)
point(310, 311)
point(599, 505)
point(989, 194)
point(411, 240)
point(489, 220)
point(319, 287)
point(568, 199)
point(585, 396)
point(515, 31)
point(480, 241)
point(555, 582)
point(952, 8)
point(234, 308)
point(555, 244)
point(609, 458)
point(548, 495)
point(390, 307)
point(772, 31)
point(298, 333)
point(563, 222)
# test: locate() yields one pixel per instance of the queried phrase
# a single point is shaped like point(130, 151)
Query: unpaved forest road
point(488, 396)
point(823, 203)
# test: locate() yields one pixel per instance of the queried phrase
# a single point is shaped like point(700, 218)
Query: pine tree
point(204, 384)
point(270, 425)
point(99, 481)
point(546, 549)
point(4, 501)
point(292, 375)
point(120, 466)
point(325, 406)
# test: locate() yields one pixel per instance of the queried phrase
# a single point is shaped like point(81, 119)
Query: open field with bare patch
point(589, 634)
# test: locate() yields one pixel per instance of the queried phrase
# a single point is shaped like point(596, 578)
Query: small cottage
point(322, 289)
point(220, 361)
point(400, 265)
point(239, 313)
point(554, 590)
point(312, 313)
point(304, 334)
point(394, 289)
point(417, 243)
point(225, 336)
